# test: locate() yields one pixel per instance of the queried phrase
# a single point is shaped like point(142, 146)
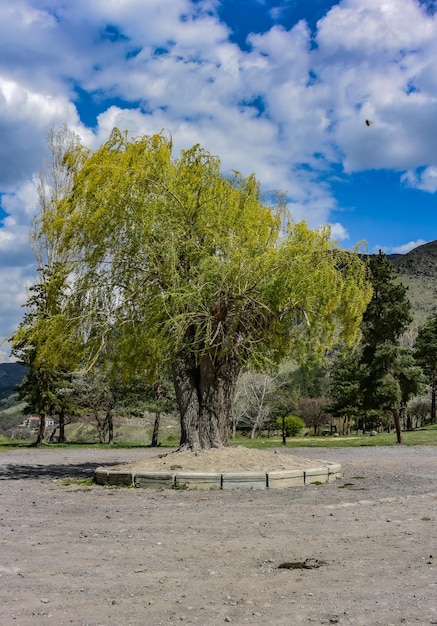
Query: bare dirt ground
point(233, 458)
point(357, 551)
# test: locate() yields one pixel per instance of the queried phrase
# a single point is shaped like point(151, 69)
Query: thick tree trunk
point(204, 394)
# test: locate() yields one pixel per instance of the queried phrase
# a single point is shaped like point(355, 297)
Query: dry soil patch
point(231, 459)
point(360, 551)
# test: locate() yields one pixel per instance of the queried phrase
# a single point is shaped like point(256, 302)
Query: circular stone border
point(325, 472)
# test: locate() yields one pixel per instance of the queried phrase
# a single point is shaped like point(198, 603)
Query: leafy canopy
point(167, 256)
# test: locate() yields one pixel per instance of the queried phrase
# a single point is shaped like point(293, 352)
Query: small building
point(33, 422)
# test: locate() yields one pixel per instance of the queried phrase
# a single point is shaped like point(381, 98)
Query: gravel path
point(359, 551)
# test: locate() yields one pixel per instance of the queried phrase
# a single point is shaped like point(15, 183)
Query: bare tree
point(251, 407)
point(314, 412)
point(101, 394)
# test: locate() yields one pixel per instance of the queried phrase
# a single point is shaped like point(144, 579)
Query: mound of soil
point(230, 459)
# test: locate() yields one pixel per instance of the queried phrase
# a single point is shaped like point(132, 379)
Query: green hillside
point(417, 270)
point(11, 374)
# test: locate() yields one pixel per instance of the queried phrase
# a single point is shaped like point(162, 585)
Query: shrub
point(293, 425)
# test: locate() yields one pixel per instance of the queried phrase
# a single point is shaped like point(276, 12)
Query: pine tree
point(389, 375)
point(345, 390)
point(425, 353)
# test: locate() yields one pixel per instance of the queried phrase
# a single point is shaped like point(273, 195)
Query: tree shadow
point(35, 472)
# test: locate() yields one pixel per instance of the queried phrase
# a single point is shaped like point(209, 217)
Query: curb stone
point(323, 473)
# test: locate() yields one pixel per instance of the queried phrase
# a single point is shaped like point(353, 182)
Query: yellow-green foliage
point(168, 255)
point(292, 425)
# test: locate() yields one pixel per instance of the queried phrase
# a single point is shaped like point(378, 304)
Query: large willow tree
point(171, 261)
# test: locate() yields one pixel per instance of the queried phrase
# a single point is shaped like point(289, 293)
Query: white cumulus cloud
point(290, 107)
point(425, 180)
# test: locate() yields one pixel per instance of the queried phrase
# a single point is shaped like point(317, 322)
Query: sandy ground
point(102, 556)
point(233, 458)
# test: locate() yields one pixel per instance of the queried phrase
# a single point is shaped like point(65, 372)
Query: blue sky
point(279, 88)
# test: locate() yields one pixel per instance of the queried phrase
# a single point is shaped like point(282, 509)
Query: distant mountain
point(417, 270)
point(422, 261)
point(11, 374)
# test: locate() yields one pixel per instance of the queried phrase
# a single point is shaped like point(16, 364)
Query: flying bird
point(369, 122)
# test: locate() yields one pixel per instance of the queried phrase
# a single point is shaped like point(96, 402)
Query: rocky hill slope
point(422, 261)
point(417, 270)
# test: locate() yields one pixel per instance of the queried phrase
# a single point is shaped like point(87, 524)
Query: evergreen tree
point(388, 376)
point(345, 390)
point(425, 352)
point(381, 375)
point(388, 313)
point(42, 385)
point(40, 341)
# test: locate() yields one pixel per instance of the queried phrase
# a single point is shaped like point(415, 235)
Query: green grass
point(421, 437)
point(6, 445)
point(83, 434)
point(11, 444)
point(81, 482)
